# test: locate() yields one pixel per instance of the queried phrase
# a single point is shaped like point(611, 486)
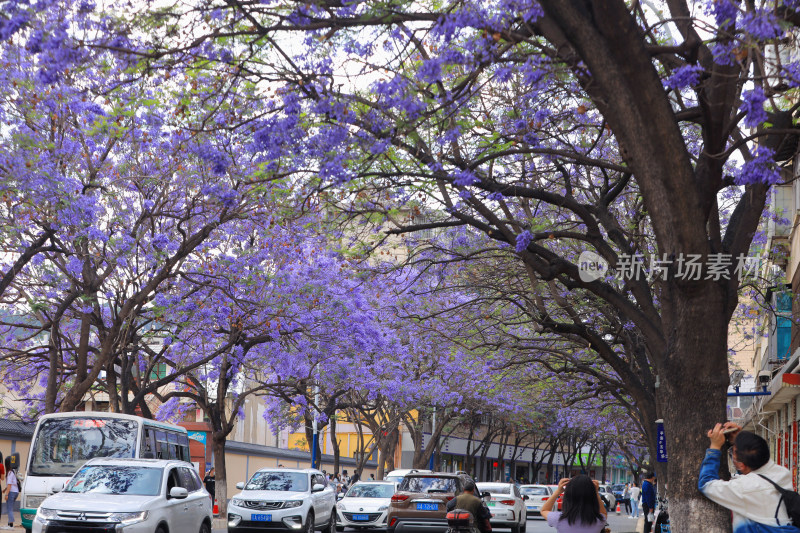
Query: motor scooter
point(461, 521)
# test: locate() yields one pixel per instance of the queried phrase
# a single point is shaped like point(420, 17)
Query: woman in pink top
point(582, 509)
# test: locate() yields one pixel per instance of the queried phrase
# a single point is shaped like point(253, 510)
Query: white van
point(398, 475)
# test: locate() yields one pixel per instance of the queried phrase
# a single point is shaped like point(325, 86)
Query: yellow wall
point(20, 446)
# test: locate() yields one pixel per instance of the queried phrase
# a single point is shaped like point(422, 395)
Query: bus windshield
point(64, 444)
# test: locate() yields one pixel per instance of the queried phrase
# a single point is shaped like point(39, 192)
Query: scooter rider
point(468, 501)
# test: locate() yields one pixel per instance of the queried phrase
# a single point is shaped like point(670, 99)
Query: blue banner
point(661, 443)
point(199, 436)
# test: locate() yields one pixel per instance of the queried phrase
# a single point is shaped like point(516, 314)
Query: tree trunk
point(218, 439)
point(334, 443)
point(692, 393)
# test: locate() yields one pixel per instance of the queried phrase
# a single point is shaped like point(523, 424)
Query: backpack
point(792, 501)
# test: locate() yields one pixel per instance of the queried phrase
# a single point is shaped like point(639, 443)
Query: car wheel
point(310, 523)
point(204, 528)
point(160, 529)
point(331, 523)
point(340, 528)
point(524, 526)
point(515, 529)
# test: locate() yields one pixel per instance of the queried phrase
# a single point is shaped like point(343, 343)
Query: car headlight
point(340, 506)
point(32, 502)
point(44, 514)
point(292, 503)
point(128, 518)
point(237, 502)
point(383, 508)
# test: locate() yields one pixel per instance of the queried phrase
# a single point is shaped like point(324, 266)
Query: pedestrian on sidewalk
point(649, 500)
point(626, 498)
point(210, 481)
point(755, 502)
point(634, 499)
point(582, 511)
point(11, 492)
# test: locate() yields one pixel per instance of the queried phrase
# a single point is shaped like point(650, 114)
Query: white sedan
point(366, 504)
point(537, 495)
point(134, 495)
point(507, 506)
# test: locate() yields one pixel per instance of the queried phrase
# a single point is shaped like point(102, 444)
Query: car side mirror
point(57, 487)
point(340, 496)
point(526, 497)
point(318, 487)
point(240, 485)
point(486, 495)
point(178, 493)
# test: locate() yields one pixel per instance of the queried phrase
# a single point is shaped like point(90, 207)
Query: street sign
point(661, 442)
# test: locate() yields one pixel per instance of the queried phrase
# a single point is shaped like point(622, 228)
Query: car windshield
point(114, 479)
point(534, 491)
point(63, 444)
point(494, 488)
point(281, 481)
point(429, 484)
point(396, 479)
point(618, 488)
point(371, 490)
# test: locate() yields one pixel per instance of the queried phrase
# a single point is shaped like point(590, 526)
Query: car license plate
point(360, 517)
point(534, 507)
point(261, 517)
point(427, 507)
point(491, 504)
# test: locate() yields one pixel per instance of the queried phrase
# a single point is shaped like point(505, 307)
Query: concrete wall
point(9, 446)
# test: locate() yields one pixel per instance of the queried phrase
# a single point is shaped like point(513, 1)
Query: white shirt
point(635, 492)
point(11, 481)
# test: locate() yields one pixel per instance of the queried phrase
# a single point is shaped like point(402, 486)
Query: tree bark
point(218, 439)
point(334, 443)
point(692, 391)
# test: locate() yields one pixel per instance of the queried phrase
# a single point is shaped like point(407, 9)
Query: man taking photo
point(754, 501)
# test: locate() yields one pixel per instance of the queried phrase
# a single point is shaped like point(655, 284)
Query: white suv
point(283, 499)
point(131, 495)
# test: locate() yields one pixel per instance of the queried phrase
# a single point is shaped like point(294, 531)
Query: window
point(148, 449)
point(188, 480)
point(62, 445)
point(103, 479)
point(783, 325)
point(162, 447)
point(172, 439)
point(159, 371)
point(174, 480)
point(183, 444)
point(279, 481)
point(428, 484)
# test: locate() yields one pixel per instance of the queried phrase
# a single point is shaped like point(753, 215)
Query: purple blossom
point(762, 24)
point(684, 76)
point(724, 12)
point(431, 70)
point(464, 178)
point(753, 107)
point(760, 169)
point(523, 240)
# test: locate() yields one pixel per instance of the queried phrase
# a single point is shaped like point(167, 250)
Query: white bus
point(62, 442)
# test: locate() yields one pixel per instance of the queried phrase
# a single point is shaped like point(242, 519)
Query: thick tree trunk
point(218, 439)
point(692, 395)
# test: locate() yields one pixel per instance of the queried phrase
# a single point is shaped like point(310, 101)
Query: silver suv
point(283, 499)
